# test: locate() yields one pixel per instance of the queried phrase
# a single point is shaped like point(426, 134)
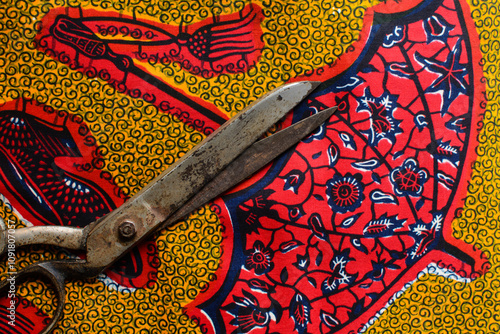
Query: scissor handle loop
point(56, 278)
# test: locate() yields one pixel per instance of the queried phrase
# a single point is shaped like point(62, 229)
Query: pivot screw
point(127, 230)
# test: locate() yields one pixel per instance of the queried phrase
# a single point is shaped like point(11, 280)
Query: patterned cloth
point(382, 220)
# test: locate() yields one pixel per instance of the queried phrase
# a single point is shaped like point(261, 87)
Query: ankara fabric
point(384, 220)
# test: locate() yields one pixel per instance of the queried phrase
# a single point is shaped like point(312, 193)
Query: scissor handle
point(48, 269)
point(62, 236)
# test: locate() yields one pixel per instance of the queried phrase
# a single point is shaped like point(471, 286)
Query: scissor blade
point(253, 159)
point(152, 206)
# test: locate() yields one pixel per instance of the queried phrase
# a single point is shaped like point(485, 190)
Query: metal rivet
point(127, 230)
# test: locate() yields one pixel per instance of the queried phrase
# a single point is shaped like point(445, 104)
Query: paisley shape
point(287, 246)
point(446, 180)
point(402, 70)
point(378, 196)
point(366, 165)
point(317, 226)
point(333, 154)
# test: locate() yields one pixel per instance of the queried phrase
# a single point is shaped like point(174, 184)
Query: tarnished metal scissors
point(222, 160)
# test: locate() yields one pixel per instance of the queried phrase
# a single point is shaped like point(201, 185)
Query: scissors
point(226, 157)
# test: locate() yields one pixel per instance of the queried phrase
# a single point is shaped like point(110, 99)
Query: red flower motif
point(409, 178)
point(345, 193)
point(259, 258)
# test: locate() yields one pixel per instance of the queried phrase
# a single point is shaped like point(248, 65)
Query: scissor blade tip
point(331, 110)
point(304, 88)
point(313, 84)
point(325, 113)
point(322, 115)
point(306, 85)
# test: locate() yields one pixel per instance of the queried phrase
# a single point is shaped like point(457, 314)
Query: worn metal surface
point(180, 181)
point(108, 238)
point(256, 157)
point(63, 236)
point(166, 194)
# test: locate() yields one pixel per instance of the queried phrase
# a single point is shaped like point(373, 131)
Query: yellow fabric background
point(132, 136)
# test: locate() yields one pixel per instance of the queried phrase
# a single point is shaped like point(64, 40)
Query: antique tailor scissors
point(222, 160)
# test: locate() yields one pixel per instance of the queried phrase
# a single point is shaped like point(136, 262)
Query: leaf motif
point(376, 178)
point(357, 308)
point(420, 203)
point(318, 197)
point(380, 218)
point(312, 281)
point(316, 224)
point(328, 319)
point(239, 300)
point(397, 155)
point(319, 258)
point(316, 155)
point(250, 297)
point(383, 226)
point(284, 275)
point(349, 221)
point(397, 255)
point(369, 69)
point(276, 310)
point(393, 266)
point(392, 68)
point(259, 285)
point(287, 246)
